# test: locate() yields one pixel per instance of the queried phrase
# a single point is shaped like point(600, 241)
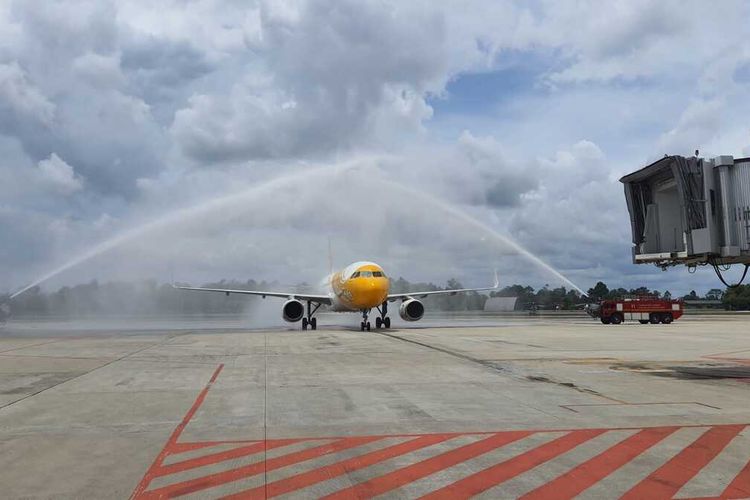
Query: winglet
point(497, 281)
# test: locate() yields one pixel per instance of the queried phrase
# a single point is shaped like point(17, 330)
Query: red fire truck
point(642, 309)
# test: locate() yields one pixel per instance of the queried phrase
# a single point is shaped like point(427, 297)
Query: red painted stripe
point(740, 486)
point(340, 468)
point(202, 483)
point(221, 456)
point(499, 473)
point(177, 448)
point(149, 476)
point(667, 480)
point(592, 471)
point(406, 475)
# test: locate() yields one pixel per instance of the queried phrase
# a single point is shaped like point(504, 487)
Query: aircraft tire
point(387, 322)
point(378, 322)
point(313, 323)
point(304, 323)
point(362, 326)
point(368, 326)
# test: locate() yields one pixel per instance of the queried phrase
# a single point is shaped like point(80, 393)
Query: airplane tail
point(326, 281)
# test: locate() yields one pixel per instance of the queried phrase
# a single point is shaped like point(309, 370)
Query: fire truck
point(642, 309)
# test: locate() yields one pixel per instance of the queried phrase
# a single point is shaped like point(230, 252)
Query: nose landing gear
point(365, 325)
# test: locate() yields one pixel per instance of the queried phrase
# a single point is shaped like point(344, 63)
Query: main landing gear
point(383, 321)
point(309, 320)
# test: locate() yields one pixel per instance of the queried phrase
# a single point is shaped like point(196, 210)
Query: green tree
point(737, 298)
point(691, 296)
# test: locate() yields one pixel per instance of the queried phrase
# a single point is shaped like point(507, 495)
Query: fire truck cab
point(642, 309)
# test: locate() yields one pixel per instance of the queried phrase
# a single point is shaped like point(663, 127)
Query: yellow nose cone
point(368, 292)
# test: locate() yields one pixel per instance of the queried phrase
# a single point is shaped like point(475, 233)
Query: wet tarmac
point(464, 406)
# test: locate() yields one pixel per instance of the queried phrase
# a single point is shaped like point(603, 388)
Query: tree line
point(732, 298)
point(153, 298)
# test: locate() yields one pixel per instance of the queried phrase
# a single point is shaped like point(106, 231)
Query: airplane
point(359, 287)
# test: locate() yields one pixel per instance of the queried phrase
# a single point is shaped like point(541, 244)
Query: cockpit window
point(367, 274)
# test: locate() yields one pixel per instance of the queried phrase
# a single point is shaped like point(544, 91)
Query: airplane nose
point(372, 291)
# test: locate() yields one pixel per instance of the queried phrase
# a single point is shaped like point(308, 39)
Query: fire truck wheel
point(616, 319)
point(667, 319)
point(654, 318)
point(643, 321)
point(605, 321)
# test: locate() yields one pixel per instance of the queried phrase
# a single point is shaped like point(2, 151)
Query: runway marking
point(354, 467)
point(592, 471)
point(667, 480)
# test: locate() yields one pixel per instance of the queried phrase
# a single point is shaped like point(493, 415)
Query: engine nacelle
point(293, 311)
point(411, 310)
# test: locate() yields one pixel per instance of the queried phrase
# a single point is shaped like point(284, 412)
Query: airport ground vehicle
point(642, 309)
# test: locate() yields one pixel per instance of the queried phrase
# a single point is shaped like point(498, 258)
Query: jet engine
point(293, 310)
point(411, 310)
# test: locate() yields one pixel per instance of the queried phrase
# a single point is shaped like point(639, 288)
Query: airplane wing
point(320, 299)
point(415, 295)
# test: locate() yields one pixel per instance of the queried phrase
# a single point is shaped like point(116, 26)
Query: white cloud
point(158, 105)
point(20, 100)
point(99, 70)
point(60, 176)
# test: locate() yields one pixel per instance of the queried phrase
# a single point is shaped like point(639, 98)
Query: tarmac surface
point(494, 408)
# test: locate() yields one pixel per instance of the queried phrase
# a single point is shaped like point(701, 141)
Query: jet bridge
point(690, 211)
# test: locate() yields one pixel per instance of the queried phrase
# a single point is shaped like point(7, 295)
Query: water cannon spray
point(4, 309)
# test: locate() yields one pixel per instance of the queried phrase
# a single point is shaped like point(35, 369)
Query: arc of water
point(276, 183)
point(175, 217)
point(484, 228)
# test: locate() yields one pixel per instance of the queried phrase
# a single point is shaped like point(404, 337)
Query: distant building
point(500, 304)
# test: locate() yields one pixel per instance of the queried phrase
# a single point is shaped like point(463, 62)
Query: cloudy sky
point(245, 134)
